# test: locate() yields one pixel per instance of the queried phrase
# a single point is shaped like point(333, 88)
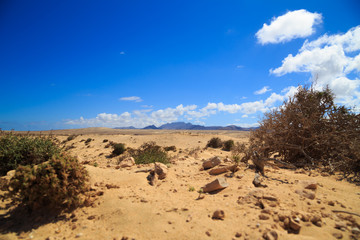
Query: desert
point(289, 204)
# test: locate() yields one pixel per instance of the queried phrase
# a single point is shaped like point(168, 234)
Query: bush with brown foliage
point(311, 130)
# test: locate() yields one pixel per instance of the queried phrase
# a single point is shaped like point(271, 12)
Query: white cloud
point(133, 98)
point(263, 90)
point(145, 117)
point(122, 53)
point(331, 60)
point(293, 24)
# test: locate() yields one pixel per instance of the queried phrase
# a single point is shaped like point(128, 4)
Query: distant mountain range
point(189, 126)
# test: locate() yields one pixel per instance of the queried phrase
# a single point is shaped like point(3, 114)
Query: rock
point(218, 214)
point(161, 170)
point(316, 220)
point(306, 193)
point(270, 235)
point(264, 216)
point(127, 162)
point(208, 233)
point(257, 181)
point(217, 171)
point(331, 203)
point(152, 178)
point(355, 230)
point(238, 235)
point(217, 184)
point(340, 225)
point(312, 185)
point(189, 218)
point(223, 169)
point(338, 235)
point(211, 162)
point(294, 225)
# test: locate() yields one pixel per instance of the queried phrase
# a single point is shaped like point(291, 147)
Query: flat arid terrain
point(289, 204)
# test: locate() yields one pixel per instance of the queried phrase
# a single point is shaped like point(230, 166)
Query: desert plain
point(295, 204)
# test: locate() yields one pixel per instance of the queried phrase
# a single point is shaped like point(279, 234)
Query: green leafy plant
point(24, 150)
point(149, 152)
point(71, 137)
point(214, 142)
point(59, 184)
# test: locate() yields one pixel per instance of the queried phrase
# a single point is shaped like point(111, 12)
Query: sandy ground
point(128, 207)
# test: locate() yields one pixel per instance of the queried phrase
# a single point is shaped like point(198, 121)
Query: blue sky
point(71, 64)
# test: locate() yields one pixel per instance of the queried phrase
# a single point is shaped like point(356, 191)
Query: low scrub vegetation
point(228, 145)
point(118, 149)
point(18, 150)
point(214, 142)
point(57, 184)
point(311, 130)
point(149, 152)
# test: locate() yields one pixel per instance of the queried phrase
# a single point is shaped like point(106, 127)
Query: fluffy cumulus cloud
point(293, 24)
point(263, 90)
point(332, 60)
point(133, 99)
point(146, 117)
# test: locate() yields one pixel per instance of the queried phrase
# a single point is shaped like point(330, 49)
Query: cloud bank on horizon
point(332, 60)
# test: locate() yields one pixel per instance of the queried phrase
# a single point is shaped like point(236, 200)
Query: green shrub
point(88, 141)
point(215, 142)
point(119, 148)
point(24, 150)
point(149, 152)
point(228, 145)
point(58, 184)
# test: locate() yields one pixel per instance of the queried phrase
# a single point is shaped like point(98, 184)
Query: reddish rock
point(212, 162)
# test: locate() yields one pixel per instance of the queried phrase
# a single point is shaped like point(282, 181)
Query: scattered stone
point(127, 162)
point(79, 235)
point(152, 178)
point(208, 233)
point(331, 203)
point(270, 235)
point(108, 186)
point(257, 181)
point(217, 184)
point(294, 225)
point(306, 193)
point(264, 216)
point(355, 230)
point(92, 217)
point(218, 214)
point(312, 185)
point(340, 225)
point(161, 170)
point(338, 235)
point(238, 235)
point(211, 162)
point(189, 218)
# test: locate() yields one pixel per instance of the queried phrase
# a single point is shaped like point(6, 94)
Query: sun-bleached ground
point(128, 207)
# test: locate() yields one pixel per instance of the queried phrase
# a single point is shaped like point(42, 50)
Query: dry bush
point(56, 185)
point(310, 130)
point(214, 142)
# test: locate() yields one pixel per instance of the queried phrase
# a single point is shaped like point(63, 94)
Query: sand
point(133, 209)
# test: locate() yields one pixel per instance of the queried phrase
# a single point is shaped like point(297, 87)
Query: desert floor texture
point(296, 204)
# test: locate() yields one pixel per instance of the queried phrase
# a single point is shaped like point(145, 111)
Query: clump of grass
point(57, 184)
point(24, 150)
point(149, 152)
point(214, 142)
